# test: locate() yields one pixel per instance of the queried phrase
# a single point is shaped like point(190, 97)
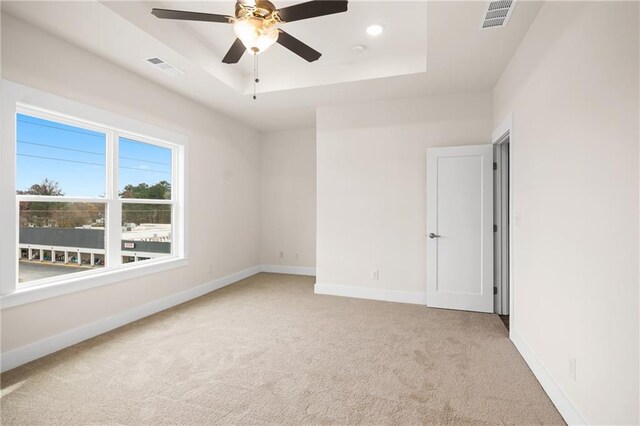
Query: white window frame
point(19, 99)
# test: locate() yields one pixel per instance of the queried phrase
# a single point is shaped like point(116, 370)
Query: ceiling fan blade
point(298, 47)
point(312, 9)
point(190, 16)
point(235, 52)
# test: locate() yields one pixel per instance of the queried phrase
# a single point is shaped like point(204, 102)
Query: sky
point(75, 158)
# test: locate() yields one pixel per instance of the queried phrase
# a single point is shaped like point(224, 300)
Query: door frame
point(501, 225)
point(503, 131)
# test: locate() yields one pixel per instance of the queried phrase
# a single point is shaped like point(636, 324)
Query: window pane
point(146, 231)
point(59, 238)
point(58, 159)
point(144, 170)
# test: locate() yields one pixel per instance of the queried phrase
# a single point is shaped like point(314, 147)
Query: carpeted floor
point(267, 350)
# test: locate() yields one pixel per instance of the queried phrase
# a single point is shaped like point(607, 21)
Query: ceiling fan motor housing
point(263, 9)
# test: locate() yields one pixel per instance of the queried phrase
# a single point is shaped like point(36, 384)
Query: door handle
point(432, 235)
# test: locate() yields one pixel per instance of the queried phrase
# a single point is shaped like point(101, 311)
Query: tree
point(74, 215)
point(47, 187)
point(40, 213)
point(158, 191)
point(147, 213)
point(62, 215)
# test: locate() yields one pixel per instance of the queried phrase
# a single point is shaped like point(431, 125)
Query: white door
point(460, 228)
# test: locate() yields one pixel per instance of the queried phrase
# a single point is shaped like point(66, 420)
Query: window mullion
point(114, 210)
point(145, 201)
point(57, 199)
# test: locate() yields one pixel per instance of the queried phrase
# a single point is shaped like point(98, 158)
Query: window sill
point(30, 294)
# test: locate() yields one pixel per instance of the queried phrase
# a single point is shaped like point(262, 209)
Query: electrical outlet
point(572, 368)
point(296, 256)
point(210, 269)
point(374, 274)
point(281, 255)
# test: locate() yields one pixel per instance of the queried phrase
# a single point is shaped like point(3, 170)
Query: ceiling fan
point(256, 25)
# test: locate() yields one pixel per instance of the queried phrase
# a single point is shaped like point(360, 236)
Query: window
point(145, 174)
point(59, 238)
point(89, 197)
point(54, 161)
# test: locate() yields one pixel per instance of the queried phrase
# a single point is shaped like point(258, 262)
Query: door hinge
point(495, 166)
point(495, 290)
point(495, 228)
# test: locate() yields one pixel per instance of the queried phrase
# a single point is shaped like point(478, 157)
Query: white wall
point(573, 89)
point(223, 179)
point(289, 198)
point(372, 187)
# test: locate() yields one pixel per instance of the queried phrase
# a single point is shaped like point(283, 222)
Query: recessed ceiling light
point(374, 30)
point(359, 48)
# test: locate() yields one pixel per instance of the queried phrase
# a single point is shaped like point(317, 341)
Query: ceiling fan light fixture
point(256, 34)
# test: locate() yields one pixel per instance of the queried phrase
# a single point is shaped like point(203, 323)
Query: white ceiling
point(427, 48)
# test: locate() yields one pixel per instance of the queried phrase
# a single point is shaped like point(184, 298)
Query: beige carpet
point(267, 350)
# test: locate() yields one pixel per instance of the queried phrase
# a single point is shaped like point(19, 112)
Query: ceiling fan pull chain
point(255, 74)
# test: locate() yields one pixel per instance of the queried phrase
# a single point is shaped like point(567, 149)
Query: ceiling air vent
point(165, 66)
point(498, 13)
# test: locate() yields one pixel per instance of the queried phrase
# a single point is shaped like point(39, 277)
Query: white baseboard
point(371, 293)
point(568, 411)
point(24, 354)
point(293, 270)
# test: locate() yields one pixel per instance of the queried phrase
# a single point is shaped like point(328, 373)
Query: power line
point(61, 159)
point(74, 130)
point(91, 152)
point(60, 147)
point(91, 164)
point(145, 170)
point(144, 161)
point(122, 139)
